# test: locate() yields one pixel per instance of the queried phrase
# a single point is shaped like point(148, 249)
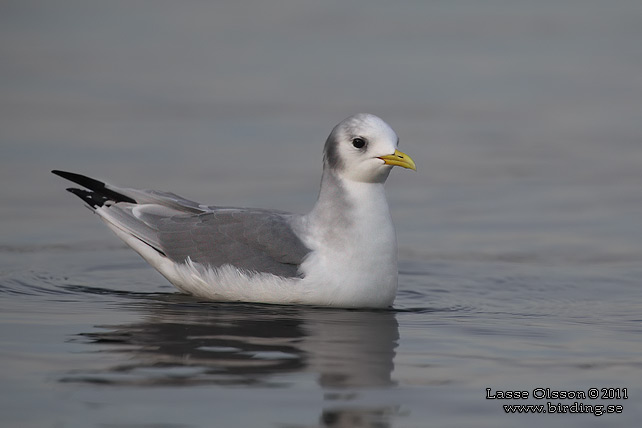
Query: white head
point(364, 148)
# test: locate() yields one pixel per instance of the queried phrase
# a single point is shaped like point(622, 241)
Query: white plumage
point(342, 254)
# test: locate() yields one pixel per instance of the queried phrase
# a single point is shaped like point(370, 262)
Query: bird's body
point(343, 253)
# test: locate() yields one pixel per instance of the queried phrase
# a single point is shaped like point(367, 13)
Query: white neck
point(351, 234)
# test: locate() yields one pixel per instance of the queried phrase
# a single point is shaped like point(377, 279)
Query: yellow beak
point(399, 159)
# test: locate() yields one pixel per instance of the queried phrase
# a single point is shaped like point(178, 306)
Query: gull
point(343, 253)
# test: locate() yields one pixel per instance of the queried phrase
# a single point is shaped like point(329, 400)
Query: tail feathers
point(97, 195)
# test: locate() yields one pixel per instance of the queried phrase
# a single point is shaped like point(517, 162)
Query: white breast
point(356, 264)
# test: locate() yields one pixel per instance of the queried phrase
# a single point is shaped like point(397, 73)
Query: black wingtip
point(100, 193)
point(83, 180)
point(93, 199)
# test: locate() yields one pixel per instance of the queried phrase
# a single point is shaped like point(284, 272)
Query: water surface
point(520, 235)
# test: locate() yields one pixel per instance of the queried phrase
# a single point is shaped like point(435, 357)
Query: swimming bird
point(343, 253)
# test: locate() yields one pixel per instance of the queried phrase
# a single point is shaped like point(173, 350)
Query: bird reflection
point(184, 344)
point(357, 417)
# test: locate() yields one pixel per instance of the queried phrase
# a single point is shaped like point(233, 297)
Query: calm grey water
point(520, 236)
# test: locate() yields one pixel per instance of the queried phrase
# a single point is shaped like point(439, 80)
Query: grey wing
point(253, 240)
point(165, 199)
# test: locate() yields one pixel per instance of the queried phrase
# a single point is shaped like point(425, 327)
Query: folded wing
point(177, 228)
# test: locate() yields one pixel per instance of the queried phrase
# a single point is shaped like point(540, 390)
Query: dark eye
point(359, 143)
